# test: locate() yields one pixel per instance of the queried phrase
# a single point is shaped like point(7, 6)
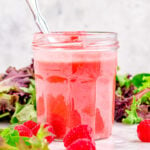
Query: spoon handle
point(39, 20)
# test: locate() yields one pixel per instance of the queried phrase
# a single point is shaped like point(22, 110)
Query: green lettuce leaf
point(27, 111)
point(11, 136)
point(24, 113)
point(11, 83)
point(123, 80)
point(32, 92)
point(118, 91)
point(137, 80)
point(7, 101)
point(145, 99)
point(5, 146)
point(10, 140)
point(132, 117)
point(141, 81)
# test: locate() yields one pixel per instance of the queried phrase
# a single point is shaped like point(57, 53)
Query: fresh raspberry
point(50, 139)
point(79, 132)
point(143, 131)
point(23, 131)
point(82, 144)
point(30, 124)
point(36, 129)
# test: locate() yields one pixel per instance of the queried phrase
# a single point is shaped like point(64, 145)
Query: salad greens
point(144, 79)
point(132, 116)
point(123, 80)
point(139, 78)
point(11, 140)
point(11, 136)
point(17, 95)
point(20, 114)
point(132, 98)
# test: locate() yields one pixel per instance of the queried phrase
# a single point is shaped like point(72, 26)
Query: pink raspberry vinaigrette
point(75, 80)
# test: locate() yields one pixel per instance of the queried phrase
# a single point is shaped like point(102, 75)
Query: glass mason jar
point(75, 80)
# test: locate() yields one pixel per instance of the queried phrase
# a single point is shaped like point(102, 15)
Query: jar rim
point(89, 33)
point(103, 40)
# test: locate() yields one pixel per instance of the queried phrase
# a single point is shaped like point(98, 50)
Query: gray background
point(129, 18)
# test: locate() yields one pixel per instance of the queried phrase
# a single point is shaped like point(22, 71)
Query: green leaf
point(38, 144)
point(39, 140)
point(5, 146)
point(138, 79)
point(11, 136)
point(35, 144)
point(118, 68)
point(10, 140)
point(21, 145)
point(6, 89)
point(1, 130)
point(118, 91)
point(123, 80)
point(24, 113)
point(145, 99)
point(145, 83)
point(32, 92)
point(132, 117)
point(4, 115)
point(43, 132)
point(27, 113)
point(7, 100)
point(19, 107)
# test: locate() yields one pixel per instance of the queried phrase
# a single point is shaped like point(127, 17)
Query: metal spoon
point(39, 20)
point(41, 23)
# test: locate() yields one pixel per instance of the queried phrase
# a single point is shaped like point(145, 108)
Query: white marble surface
point(129, 18)
point(124, 137)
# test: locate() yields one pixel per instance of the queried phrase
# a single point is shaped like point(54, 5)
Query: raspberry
point(30, 124)
point(82, 144)
point(23, 130)
point(79, 132)
point(50, 139)
point(143, 131)
point(36, 129)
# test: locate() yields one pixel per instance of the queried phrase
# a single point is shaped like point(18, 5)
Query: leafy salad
point(132, 100)
point(17, 95)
